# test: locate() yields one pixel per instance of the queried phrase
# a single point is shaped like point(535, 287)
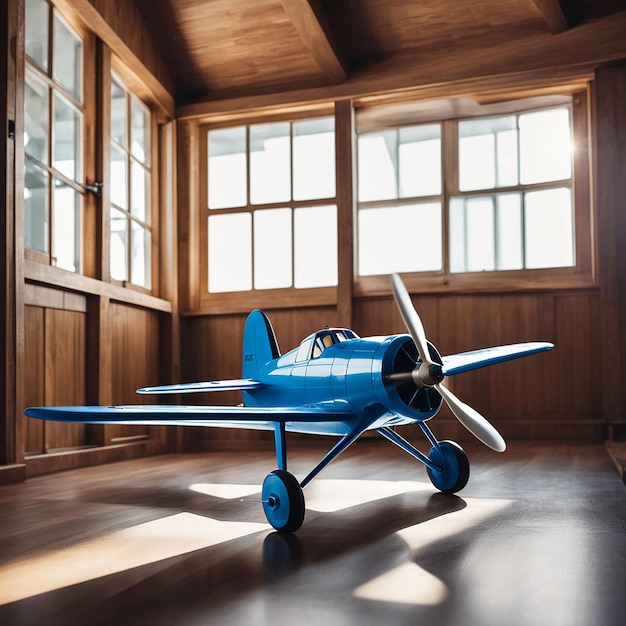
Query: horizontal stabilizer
point(212, 385)
point(468, 361)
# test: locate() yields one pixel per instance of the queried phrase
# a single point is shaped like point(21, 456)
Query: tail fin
point(259, 343)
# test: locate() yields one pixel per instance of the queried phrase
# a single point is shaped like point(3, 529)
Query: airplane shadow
point(328, 535)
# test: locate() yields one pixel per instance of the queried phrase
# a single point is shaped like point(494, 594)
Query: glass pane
point(270, 163)
point(139, 131)
point(36, 36)
point(549, 228)
point(119, 238)
point(315, 247)
point(420, 161)
point(68, 58)
point(272, 249)
point(509, 232)
point(67, 134)
point(377, 166)
point(507, 161)
point(35, 208)
point(139, 192)
point(118, 113)
point(228, 178)
point(388, 239)
point(545, 146)
point(119, 178)
point(36, 129)
point(230, 252)
point(66, 230)
point(487, 153)
point(314, 159)
point(472, 234)
point(140, 255)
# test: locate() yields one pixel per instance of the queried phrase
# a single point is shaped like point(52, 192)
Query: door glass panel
point(139, 131)
point(119, 176)
point(66, 230)
point(119, 238)
point(36, 32)
point(36, 129)
point(68, 58)
point(35, 208)
point(67, 130)
point(139, 192)
point(118, 113)
point(140, 255)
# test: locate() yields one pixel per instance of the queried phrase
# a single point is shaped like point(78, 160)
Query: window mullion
point(450, 187)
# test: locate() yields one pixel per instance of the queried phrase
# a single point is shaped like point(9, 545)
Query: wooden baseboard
point(12, 473)
point(71, 459)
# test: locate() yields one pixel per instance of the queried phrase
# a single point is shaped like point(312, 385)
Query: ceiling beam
point(310, 21)
point(554, 15)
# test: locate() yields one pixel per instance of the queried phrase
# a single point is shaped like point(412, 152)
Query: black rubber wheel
point(454, 467)
point(283, 501)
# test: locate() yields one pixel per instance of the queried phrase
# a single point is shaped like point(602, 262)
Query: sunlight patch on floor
point(226, 491)
point(406, 584)
point(120, 551)
point(409, 583)
point(327, 496)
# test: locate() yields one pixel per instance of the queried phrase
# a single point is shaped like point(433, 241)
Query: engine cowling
point(404, 396)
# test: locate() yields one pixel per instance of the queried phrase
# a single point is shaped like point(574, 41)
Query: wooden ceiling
point(225, 49)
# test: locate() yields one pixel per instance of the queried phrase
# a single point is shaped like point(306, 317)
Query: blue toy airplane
point(334, 383)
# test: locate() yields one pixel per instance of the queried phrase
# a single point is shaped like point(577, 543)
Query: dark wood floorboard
point(537, 537)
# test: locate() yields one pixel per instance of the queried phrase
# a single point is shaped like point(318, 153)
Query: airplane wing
point(212, 385)
point(468, 361)
point(261, 418)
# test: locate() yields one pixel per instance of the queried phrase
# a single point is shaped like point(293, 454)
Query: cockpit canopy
point(314, 345)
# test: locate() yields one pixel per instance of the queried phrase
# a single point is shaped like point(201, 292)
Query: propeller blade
point(473, 421)
point(411, 318)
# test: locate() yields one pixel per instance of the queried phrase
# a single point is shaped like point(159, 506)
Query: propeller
point(427, 373)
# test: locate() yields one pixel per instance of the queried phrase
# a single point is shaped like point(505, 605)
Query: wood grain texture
point(554, 15)
point(610, 122)
point(134, 337)
point(392, 552)
point(65, 373)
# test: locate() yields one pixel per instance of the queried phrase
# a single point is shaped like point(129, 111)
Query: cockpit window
point(322, 341)
point(312, 347)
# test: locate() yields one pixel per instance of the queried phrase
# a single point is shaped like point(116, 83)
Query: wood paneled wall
point(551, 395)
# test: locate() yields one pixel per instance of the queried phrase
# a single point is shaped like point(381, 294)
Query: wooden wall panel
point(65, 373)
point(135, 360)
point(555, 394)
point(33, 378)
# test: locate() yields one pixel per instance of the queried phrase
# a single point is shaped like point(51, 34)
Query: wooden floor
point(537, 537)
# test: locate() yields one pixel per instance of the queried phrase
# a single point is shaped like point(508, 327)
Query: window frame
point(581, 275)
point(113, 71)
point(280, 297)
point(85, 106)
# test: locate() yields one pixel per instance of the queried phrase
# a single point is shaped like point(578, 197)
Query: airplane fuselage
point(349, 374)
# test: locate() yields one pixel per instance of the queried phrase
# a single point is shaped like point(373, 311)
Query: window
point(130, 187)
point(400, 200)
point(484, 194)
point(53, 138)
point(271, 208)
point(513, 206)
